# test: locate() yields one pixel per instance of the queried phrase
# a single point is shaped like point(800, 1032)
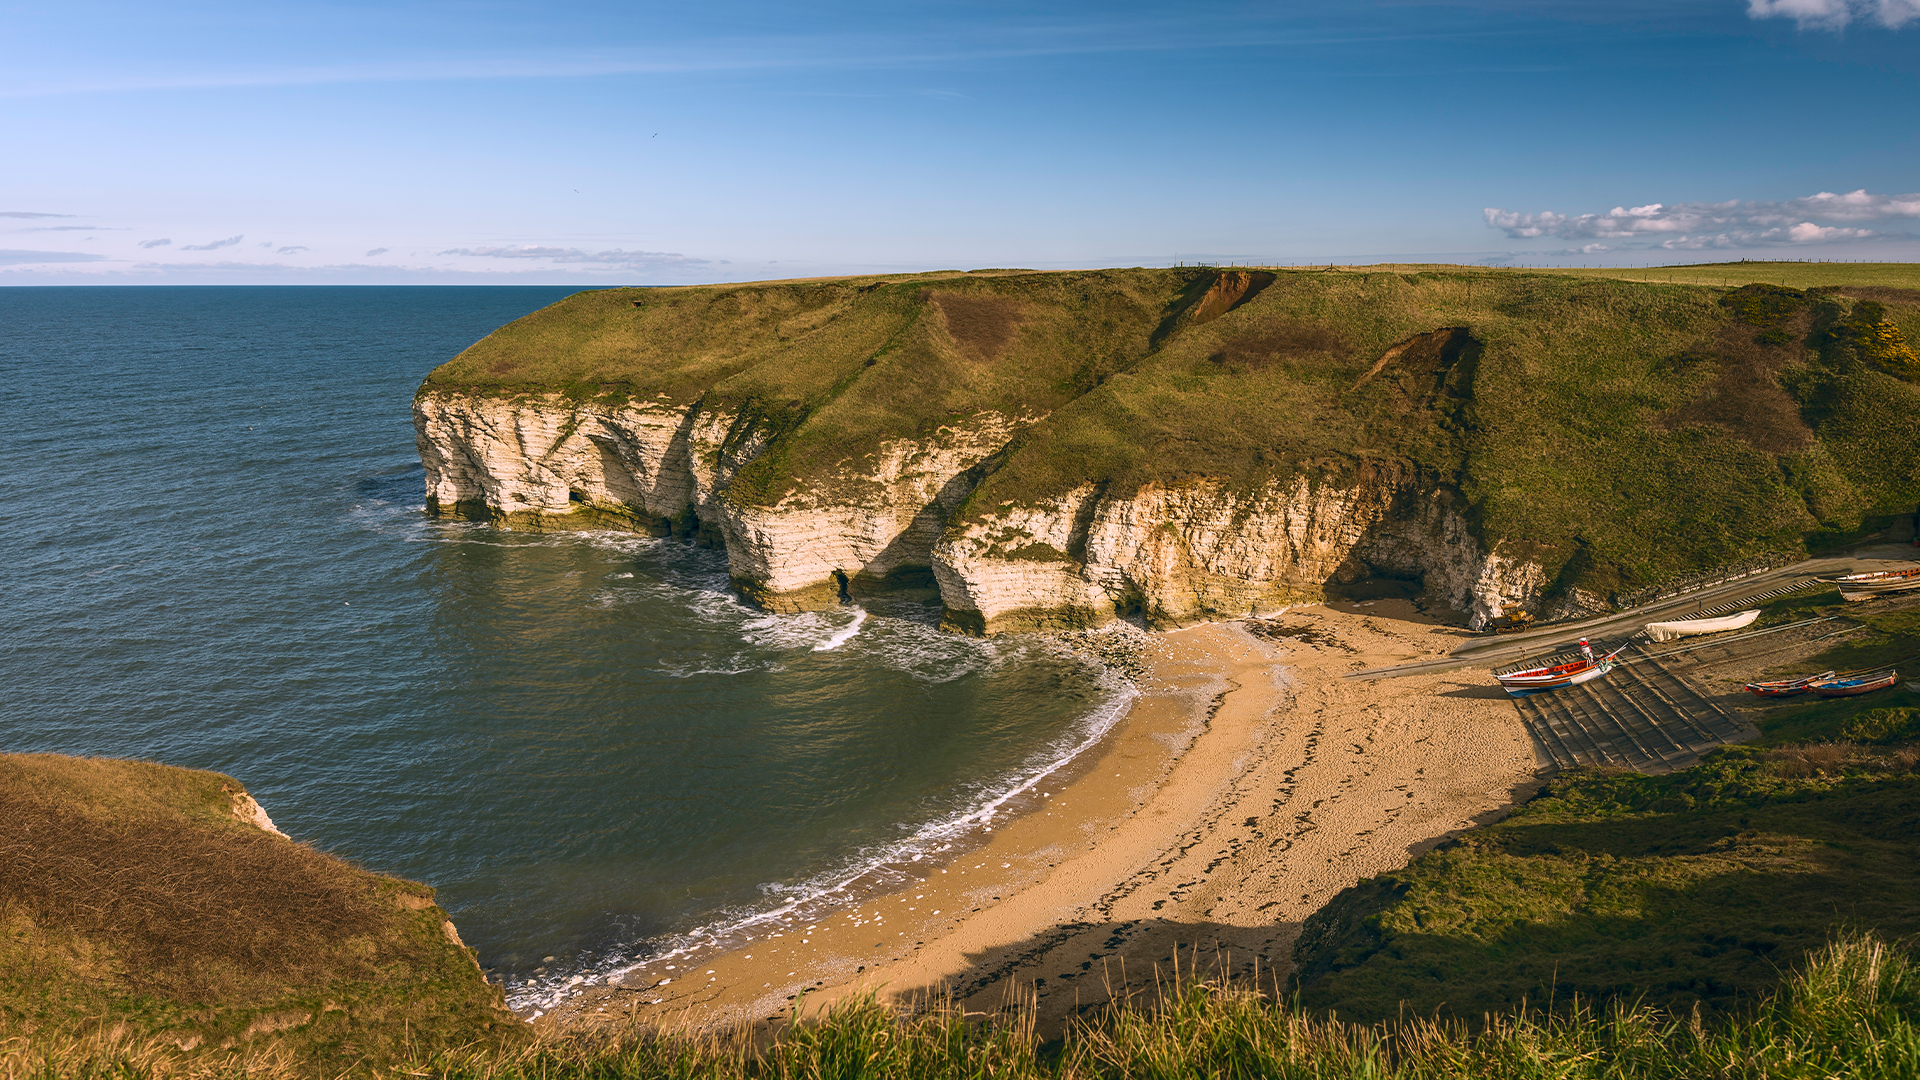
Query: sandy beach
point(1247, 785)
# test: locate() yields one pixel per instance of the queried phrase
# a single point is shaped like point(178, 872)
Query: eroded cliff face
point(1201, 551)
point(546, 462)
point(536, 463)
point(1171, 555)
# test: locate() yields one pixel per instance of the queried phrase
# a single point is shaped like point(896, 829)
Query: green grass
point(1798, 275)
point(1622, 432)
point(1852, 1009)
point(135, 907)
point(1696, 888)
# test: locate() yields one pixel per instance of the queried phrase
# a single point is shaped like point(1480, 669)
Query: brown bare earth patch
point(1229, 291)
point(1272, 343)
point(1746, 398)
point(982, 326)
point(1428, 352)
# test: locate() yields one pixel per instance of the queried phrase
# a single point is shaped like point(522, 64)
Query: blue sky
point(639, 142)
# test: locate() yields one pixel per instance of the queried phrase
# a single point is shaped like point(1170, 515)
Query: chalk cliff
point(1201, 551)
point(1168, 554)
point(548, 463)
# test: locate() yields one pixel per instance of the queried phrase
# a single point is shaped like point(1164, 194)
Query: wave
point(727, 637)
point(855, 878)
point(843, 636)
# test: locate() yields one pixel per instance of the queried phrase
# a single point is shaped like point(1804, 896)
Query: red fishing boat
point(1859, 684)
point(1877, 584)
point(1787, 687)
point(1557, 676)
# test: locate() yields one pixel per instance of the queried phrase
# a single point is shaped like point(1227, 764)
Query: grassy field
point(1851, 1010)
point(1696, 887)
point(1622, 432)
point(1797, 275)
point(137, 910)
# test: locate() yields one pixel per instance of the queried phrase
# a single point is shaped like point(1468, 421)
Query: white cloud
point(215, 245)
point(375, 251)
point(31, 214)
point(290, 250)
point(1814, 219)
point(614, 259)
point(30, 258)
point(1834, 14)
point(163, 242)
point(1808, 233)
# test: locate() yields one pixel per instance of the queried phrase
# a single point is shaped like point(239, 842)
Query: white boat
point(1558, 676)
point(1873, 585)
point(1669, 631)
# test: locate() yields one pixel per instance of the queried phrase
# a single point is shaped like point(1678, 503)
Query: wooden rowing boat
point(1879, 583)
point(1862, 684)
point(1787, 687)
point(1669, 631)
point(1557, 676)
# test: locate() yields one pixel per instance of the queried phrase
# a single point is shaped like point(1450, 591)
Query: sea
point(218, 557)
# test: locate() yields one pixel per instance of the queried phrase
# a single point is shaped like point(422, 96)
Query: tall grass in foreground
point(1851, 1011)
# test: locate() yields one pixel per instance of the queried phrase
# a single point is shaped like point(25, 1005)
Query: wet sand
point(1247, 785)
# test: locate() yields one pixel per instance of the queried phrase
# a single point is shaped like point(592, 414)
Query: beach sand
point(1246, 786)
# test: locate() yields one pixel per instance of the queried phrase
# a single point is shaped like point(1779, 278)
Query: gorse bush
point(1875, 339)
point(1851, 1010)
point(1885, 725)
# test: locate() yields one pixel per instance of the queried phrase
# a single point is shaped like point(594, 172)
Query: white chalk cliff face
point(1173, 555)
point(546, 463)
point(1201, 552)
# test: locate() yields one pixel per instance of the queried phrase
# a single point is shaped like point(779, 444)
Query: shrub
point(1885, 725)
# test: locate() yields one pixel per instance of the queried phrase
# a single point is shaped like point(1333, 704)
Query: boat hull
point(1855, 687)
point(1875, 585)
point(1787, 687)
point(1670, 631)
point(1857, 593)
point(1524, 684)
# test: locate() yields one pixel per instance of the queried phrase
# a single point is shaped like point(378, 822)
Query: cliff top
point(1621, 432)
point(150, 903)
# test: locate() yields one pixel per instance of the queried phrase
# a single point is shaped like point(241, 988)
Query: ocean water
point(217, 557)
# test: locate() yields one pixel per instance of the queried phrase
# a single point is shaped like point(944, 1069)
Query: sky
point(646, 143)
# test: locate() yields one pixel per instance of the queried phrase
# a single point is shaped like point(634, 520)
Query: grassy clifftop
point(1620, 432)
point(140, 907)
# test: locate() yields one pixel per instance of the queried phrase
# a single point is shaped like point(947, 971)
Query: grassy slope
point(1699, 886)
point(131, 899)
point(1853, 1010)
point(1605, 426)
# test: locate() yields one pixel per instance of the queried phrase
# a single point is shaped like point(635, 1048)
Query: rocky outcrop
point(1201, 551)
point(537, 463)
point(548, 462)
point(1168, 554)
point(881, 518)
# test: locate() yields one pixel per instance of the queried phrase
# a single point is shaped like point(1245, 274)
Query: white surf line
point(734, 933)
point(844, 636)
